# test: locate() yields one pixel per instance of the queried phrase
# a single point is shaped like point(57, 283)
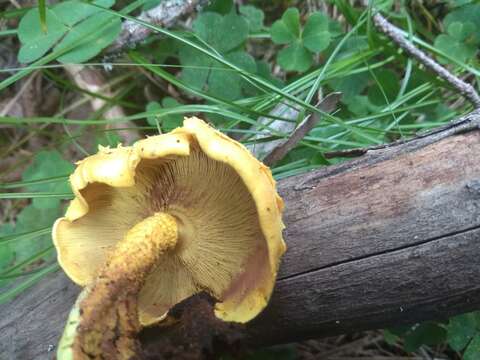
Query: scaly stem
point(104, 321)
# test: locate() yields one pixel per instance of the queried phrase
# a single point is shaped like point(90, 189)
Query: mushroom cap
point(225, 202)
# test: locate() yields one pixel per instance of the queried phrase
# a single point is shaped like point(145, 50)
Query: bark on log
point(391, 238)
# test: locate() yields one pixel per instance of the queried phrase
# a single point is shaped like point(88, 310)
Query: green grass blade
point(42, 11)
point(49, 180)
point(8, 32)
point(32, 195)
point(32, 280)
point(25, 236)
point(28, 261)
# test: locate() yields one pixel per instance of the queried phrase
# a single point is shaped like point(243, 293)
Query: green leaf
point(66, 18)
point(224, 33)
point(170, 122)
point(358, 105)
point(473, 349)
point(47, 164)
point(456, 49)
point(457, 3)
point(92, 44)
point(468, 13)
point(384, 5)
point(207, 26)
point(254, 17)
point(161, 49)
point(7, 254)
point(316, 36)
point(166, 122)
point(461, 30)
point(196, 67)
point(219, 6)
point(287, 29)
point(72, 12)
point(385, 88)
point(226, 84)
point(350, 86)
point(476, 314)
point(400, 330)
point(233, 32)
point(107, 138)
point(318, 159)
point(153, 120)
point(31, 219)
point(428, 333)
point(334, 28)
point(390, 338)
point(295, 58)
point(201, 72)
point(354, 45)
point(36, 43)
point(460, 42)
point(460, 331)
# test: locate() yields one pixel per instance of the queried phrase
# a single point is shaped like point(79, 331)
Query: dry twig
point(464, 124)
point(166, 14)
point(395, 34)
point(327, 105)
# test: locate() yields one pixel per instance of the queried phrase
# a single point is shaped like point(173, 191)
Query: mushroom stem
point(104, 320)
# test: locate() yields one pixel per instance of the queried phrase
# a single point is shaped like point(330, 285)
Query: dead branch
point(327, 105)
point(166, 14)
point(390, 238)
point(395, 34)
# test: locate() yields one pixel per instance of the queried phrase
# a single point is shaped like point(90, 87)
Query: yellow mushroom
point(174, 215)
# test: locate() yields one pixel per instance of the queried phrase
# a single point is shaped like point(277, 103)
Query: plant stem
point(104, 320)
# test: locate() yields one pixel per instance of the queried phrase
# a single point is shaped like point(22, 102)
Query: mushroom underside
point(221, 248)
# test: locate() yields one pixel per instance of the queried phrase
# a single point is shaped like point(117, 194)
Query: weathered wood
point(388, 239)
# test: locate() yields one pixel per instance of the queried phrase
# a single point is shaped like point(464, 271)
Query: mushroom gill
point(206, 189)
point(219, 232)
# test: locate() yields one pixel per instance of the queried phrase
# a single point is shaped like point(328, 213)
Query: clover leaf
point(428, 333)
point(316, 35)
point(460, 330)
point(219, 6)
point(350, 86)
point(226, 35)
point(82, 30)
point(468, 13)
point(30, 219)
point(254, 17)
point(295, 58)
point(287, 29)
point(314, 38)
point(228, 84)
point(105, 138)
point(473, 349)
point(166, 122)
point(459, 42)
point(36, 43)
point(462, 36)
point(385, 89)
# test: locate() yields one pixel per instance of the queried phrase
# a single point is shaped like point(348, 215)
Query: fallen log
point(388, 239)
